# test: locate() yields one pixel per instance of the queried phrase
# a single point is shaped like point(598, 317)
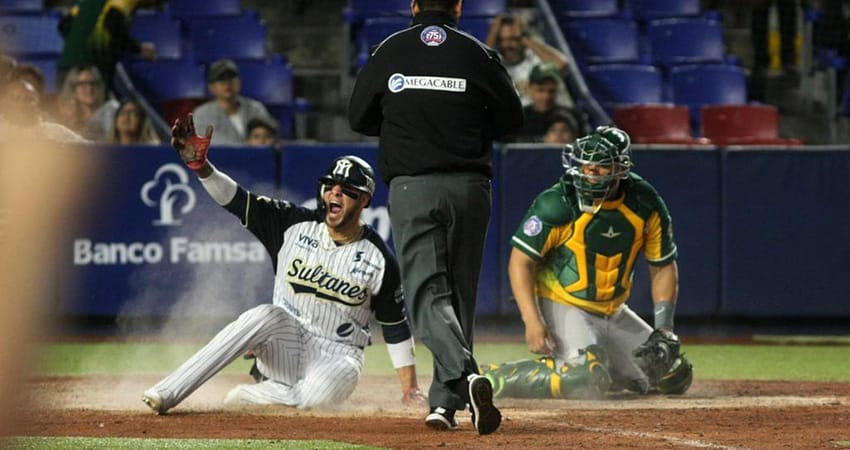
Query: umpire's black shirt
point(437, 97)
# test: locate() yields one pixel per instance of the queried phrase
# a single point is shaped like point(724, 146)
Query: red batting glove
point(413, 397)
point(191, 147)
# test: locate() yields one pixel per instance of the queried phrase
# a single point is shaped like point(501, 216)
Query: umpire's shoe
point(485, 416)
point(441, 419)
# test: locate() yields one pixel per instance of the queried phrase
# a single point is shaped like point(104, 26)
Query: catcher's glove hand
point(657, 354)
point(413, 397)
point(191, 147)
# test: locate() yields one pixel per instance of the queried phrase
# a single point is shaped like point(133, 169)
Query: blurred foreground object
point(40, 183)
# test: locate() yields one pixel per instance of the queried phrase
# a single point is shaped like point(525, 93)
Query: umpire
point(437, 97)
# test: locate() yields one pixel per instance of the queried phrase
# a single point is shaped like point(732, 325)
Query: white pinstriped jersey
point(330, 289)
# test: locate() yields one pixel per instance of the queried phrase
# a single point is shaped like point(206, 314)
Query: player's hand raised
point(191, 147)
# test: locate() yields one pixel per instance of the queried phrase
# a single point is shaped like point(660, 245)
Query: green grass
point(723, 362)
point(169, 444)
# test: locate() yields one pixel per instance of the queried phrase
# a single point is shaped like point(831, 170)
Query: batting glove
point(191, 147)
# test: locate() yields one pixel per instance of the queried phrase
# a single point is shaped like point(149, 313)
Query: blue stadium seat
point(585, 8)
point(476, 26)
point(486, 8)
point(21, 6)
point(269, 81)
point(619, 84)
point(48, 69)
point(707, 84)
point(603, 40)
point(361, 9)
point(645, 10)
point(164, 80)
point(204, 8)
point(376, 29)
point(239, 37)
point(685, 41)
point(161, 29)
point(24, 36)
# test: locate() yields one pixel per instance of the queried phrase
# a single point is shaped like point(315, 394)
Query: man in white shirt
point(521, 51)
point(228, 112)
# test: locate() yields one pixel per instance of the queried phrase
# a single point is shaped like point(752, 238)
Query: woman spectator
point(82, 94)
point(132, 126)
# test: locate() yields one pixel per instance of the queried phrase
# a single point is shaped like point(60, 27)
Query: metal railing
point(574, 78)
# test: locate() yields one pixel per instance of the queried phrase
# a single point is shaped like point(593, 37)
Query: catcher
point(571, 270)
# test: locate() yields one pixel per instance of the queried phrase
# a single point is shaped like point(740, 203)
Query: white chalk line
point(695, 443)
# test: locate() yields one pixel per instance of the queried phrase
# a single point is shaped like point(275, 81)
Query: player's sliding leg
point(249, 330)
point(330, 374)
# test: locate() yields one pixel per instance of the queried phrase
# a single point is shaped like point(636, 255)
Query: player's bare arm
point(411, 394)
point(665, 293)
point(521, 270)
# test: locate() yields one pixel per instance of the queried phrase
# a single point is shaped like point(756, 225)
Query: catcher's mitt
point(678, 379)
point(657, 355)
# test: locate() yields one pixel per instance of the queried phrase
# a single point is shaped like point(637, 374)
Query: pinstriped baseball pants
point(303, 370)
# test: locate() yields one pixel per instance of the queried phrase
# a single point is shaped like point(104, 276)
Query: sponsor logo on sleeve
point(532, 226)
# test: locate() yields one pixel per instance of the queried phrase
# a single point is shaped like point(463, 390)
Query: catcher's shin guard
point(527, 378)
point(590, 380)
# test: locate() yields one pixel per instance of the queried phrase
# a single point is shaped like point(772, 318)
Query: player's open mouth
point(334, 207)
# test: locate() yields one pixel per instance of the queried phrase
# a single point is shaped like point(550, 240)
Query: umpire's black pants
point(439, 226)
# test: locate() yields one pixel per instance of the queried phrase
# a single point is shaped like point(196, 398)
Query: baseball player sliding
point(332, 273)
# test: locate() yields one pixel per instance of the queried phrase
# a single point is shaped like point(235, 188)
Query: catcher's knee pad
point(527, 378)
point(590, 380)
point(678, 379)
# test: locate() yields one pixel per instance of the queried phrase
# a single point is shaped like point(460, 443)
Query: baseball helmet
point(608, 147)
point(349, 170)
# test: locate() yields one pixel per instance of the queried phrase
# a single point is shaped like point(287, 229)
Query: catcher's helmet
point(608, 147)
point(349, 170)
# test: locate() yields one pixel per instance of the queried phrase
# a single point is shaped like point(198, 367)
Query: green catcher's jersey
point(588, 260)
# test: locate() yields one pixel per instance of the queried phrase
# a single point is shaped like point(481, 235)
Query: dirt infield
point(713, 414)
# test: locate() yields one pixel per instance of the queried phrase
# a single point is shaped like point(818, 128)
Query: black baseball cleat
point(441, 419)
point(485, 416)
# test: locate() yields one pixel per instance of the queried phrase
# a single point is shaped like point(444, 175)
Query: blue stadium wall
point(762, 233)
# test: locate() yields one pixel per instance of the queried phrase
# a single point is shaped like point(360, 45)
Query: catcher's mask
point(609, 150)
point(351, 172)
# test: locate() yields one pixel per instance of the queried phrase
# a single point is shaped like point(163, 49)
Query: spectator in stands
point(83, 92)
point(261, 133)
point(563, 128)
point(20, 112)
point(542, 88)
point(132, 126)
point(521, 52)
point(98, 33)
point(228, 112)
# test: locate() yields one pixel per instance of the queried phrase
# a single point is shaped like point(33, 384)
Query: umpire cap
point(351, 171)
